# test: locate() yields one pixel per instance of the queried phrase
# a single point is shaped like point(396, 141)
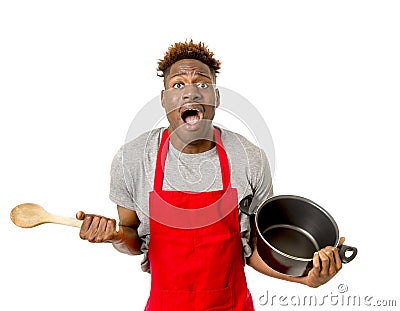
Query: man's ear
point(162, 98)
point(217, 98)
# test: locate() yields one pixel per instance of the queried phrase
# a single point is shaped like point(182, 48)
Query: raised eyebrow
point(177, 75)
point(198, 73)
point(203, 75)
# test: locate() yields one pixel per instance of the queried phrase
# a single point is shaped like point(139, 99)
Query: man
point(177, 192)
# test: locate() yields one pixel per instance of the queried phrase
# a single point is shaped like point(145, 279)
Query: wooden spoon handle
point(67, 221)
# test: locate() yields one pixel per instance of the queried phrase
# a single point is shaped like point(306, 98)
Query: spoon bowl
point(29, 215)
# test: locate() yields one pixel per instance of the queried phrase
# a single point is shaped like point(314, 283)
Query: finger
point(101, 235)
point(332, 265)
point(316, 262)
point(93, 229)
point(314, 273)
point(80, 215)
point(87, 221)
point(324, 262)
point(338, 260)
point(111, 231)
point(341, 241)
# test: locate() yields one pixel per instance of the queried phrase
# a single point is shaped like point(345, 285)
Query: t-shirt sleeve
point(262, 190)
point(120, 189)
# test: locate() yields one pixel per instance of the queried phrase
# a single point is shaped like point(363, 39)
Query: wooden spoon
point(29, 215)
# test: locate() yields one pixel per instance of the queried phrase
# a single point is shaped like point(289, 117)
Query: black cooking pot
point(290, 229)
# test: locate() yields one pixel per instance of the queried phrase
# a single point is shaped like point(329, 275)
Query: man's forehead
point(189, 66)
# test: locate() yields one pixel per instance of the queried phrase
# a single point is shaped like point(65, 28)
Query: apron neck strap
point(162, 155)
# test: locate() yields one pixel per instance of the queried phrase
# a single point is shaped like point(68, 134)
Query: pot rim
point(296, 197)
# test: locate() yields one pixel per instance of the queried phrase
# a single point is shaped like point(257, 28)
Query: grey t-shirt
point(132, 177)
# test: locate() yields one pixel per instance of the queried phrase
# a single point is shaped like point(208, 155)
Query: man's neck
point(198, 146)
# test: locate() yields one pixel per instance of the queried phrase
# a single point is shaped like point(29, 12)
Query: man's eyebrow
point(203, 74)
point(199, 73)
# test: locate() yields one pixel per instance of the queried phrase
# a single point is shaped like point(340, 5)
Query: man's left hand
point(326, 263)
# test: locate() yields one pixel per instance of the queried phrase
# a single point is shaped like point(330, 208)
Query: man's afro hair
point(188, 50)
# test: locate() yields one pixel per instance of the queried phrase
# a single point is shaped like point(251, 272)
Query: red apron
point(195, 249)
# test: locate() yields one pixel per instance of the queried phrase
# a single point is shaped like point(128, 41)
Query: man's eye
point(178, 85)
point(202, 85)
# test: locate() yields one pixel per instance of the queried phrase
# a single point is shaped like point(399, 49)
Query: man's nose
point(191, 93)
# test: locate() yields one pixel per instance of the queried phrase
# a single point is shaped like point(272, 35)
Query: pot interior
point(291, 240)
point(296, 226)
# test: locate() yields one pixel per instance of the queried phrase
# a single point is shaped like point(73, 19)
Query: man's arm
point(326, 263)
point(100, 229)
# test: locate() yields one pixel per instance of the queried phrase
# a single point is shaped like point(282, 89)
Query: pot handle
point(342, 253)
point(244, 205)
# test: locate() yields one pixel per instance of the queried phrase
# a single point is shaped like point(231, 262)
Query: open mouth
point(191, 116)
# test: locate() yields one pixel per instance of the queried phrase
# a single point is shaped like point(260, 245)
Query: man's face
point(190, 100)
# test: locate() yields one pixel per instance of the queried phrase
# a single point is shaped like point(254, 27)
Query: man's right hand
point(98, 229)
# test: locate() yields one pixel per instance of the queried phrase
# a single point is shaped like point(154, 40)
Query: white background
point(73, 75)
